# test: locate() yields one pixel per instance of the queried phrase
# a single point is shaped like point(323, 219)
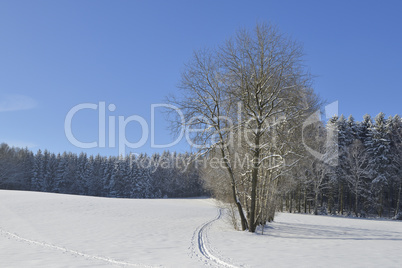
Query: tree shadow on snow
point(312, 231)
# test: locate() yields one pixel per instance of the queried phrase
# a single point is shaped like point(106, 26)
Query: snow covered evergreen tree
point(379, 150)
point(59, 184)
point(358, 175)
point(49, 171)
point(37, 181)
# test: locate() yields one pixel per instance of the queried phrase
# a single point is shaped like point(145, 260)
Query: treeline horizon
point(366, 182)
point(166, 175)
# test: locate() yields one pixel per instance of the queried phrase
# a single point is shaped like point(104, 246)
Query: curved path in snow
point(201, 245)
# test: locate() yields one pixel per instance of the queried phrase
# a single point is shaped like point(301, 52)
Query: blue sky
point(55, 55)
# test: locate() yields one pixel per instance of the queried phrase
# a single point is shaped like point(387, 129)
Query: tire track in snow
point(201, 244)
point(74, 252)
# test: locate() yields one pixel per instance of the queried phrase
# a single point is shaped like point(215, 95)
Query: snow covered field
point(51, 230)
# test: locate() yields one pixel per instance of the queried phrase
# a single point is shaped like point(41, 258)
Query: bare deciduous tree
point(236, 97)
point(206, 107)
point(357, 159)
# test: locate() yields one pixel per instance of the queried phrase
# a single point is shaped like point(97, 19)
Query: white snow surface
point(55, 230)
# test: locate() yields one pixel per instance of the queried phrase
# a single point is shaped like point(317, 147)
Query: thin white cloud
point(16, 102)
point(20, 144)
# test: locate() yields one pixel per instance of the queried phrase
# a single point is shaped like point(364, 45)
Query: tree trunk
point(381, 205)
point(234, 192)
point(316, 204)
point(356, 203)
point(350, 201)
point(341, 199)
point(356, 197)
point(398, 199)
point(330, 201)
point(322, 199)
point(240, 209)
point(254, 181)
point(291, 202)
point(299, 201)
